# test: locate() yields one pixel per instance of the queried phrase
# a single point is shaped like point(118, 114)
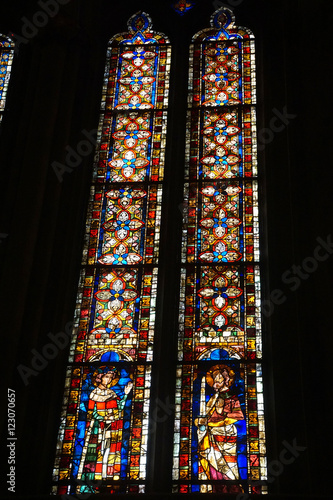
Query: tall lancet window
point(6, 58)
point(102, 445)
point(219, 430)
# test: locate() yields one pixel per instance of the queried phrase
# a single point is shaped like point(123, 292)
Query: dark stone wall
point(54, 96)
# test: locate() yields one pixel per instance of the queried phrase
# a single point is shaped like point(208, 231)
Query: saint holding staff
point(216, 430)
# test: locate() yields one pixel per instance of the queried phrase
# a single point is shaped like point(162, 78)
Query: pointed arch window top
point(222, 18)
point(226, 64)
point(140, 32)
point(139, 22)
point(222, 27)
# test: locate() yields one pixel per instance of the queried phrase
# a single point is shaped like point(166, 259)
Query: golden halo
point(211, 374)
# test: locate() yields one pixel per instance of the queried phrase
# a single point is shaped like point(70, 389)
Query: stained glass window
point(6, 59)
point(183, 6)
point(102, 445)
point(219, 427)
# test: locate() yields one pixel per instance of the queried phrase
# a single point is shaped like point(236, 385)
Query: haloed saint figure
point(217, 433)
point(101, 456)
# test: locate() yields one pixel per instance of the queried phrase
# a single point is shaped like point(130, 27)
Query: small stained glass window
point(6, 58)
point(183, 6)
